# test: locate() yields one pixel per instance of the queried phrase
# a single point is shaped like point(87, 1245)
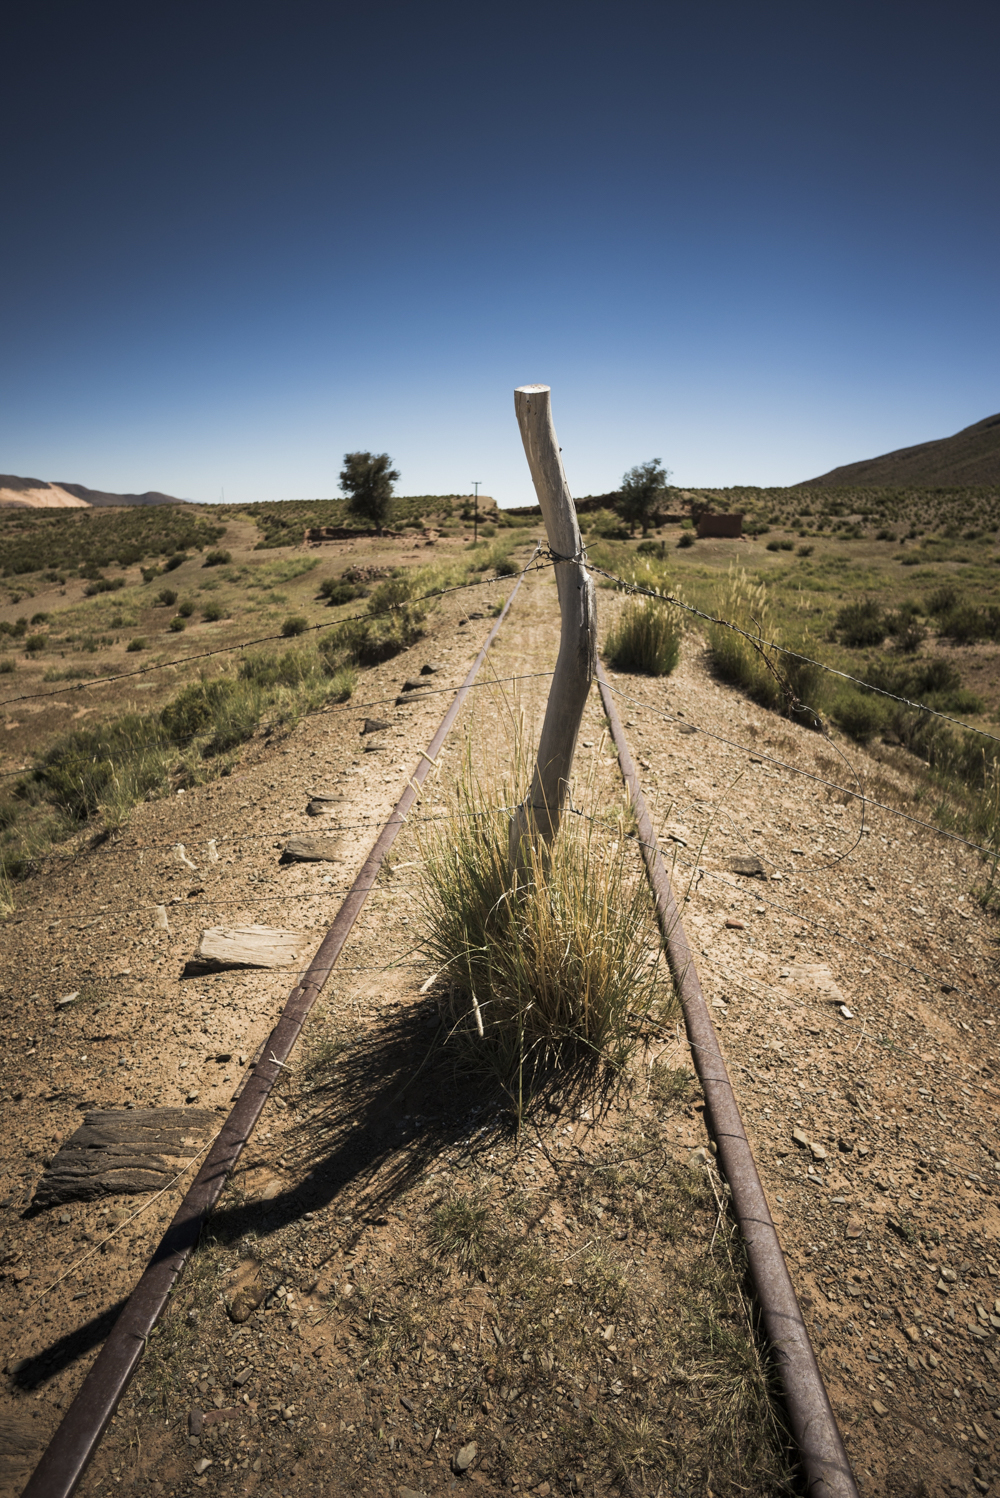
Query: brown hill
point(972, 456)
point(37, 494)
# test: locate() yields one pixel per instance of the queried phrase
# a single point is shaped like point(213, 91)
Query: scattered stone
point(202, 1464)
point(854, 1228)
point(375, 747)
point(271, 1189)
point(323, 806)
point(213, 850)
point(123, 1151)
point(249, 946)
point(196, 1421)
point(801, 1137)
point(430, 668)
point(160, 918)
point(314, 849)
point(406, 1403)
point(949, 1276)
point(375, 725)
point(405, 1492)
point(912, 1333)
point(71, 998)
point(735, 926)
point(243, 1295)
point(879, 1407)
point(698, 1157)
point(818, 1152)
point(411, 684)
point(243, 1375)
point(750, 868)
point(216, 1417)
point(464, 1457)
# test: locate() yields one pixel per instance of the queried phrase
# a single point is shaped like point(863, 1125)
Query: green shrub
point(487, 530)
point(335, 591)
point(7, 665)
point(608, 525)
point(398, 624)
point(139, 643)
point(645, 639)
point(36, 643)
point(177, 624)
point(862, 623)
point(185, 609)
point(39, 618)
point(177, 560)
point(860, 714)
point(295, 624)
point(217, 557)
point(652, 548)
point(148, 573)
point(686, 538)
point(103, 585)
point(506, 568)
point(213, 612)
point(774, 546)
point(167, 596)
point(805, 551)
point(767, 676)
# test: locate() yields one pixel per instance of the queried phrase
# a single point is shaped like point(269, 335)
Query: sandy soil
point(874, 1130)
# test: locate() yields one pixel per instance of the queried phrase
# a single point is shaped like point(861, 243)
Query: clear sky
point(751, 240)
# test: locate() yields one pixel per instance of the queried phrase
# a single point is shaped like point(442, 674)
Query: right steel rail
point(825, 1463)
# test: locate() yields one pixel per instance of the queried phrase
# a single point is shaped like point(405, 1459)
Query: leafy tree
point(640, 489)
point(368, 479)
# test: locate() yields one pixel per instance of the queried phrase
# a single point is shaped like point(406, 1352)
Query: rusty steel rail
point(72, 1448)
point(826, 1467)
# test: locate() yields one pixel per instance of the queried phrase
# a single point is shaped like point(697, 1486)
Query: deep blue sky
point(753, 240)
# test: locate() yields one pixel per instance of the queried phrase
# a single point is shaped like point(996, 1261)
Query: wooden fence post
point(576, 665)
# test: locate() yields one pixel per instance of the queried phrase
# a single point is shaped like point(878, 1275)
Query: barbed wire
point(808, 775)
point(761, 645)
point(535, 564)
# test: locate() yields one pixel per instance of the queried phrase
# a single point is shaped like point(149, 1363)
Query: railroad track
point(824, 1463)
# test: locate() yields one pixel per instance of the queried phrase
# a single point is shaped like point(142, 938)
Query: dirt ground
point(852, 983)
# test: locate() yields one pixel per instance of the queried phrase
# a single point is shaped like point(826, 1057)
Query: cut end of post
point(533, 390)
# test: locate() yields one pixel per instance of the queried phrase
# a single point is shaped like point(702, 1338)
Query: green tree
point(640, 489)
point(367, 478)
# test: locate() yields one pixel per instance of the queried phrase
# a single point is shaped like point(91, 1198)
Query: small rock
point(735, 926)
point(912, 1333)
point(431, 668)
point(845, 1011)
point(750, 868)
point(818, 1152)
point(243, 1375)
point(943, 1286)
point(406, 1403)
point(213, 850)
point(698, 1157)
point(854, 1228)
point(375, 747)
point(160, 919)
point(405, 1492)
point(180, 856)
point(322, 806)
point(464, 1457)
point(879, 1407)
point(70, 998)
point(411, 684)
point(202, 1464)
point(196, 1421)
point(271, 1189)
point(949, 1276)
point(801, 1138)
point(375, 725)
point(543, 1490)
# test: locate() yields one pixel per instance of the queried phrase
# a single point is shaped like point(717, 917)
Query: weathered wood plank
point(123, 1151)
point(314, 849)
point(249, 946)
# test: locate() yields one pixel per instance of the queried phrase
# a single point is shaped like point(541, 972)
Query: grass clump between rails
point(645, 638)
point(547, 974)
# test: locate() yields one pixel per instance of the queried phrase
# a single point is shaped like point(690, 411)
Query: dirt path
point(886, 1212)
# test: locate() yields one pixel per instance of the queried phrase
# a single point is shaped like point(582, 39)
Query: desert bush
point(646, 638)
point(177, 624)
point(213, 612)
point(860, 714)
point(103, 585)
point(139, 643)
point(773, 546)
point(861, 623)
point(805, 551)
point(395, 622)
point(7, 665)
point(336, 591)
point(608, 525)
point(943, 600)
point(39, 619)
point(547, 972)
point(652, 549)
point(686, 538)
point(185, 608)
point(167, 596)
point(177, 560)
point(767, 676)
point(217, 557)
point(35, 644)
point(61, 541)
point(295, 624)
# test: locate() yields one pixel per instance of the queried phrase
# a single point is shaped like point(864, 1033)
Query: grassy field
point(162, 601)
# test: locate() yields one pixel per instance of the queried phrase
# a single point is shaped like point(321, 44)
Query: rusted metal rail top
point(825, 1464)
point(72, 1448)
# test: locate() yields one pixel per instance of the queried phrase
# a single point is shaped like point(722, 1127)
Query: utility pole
point(475, 523)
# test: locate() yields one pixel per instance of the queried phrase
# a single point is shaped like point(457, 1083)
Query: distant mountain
point(37, 494)
point(972, 456)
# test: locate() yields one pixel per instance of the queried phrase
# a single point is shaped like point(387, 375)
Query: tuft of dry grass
point(545, 974)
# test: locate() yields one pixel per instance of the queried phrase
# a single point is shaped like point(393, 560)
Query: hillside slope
point(37, 494)
point(971, 456)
